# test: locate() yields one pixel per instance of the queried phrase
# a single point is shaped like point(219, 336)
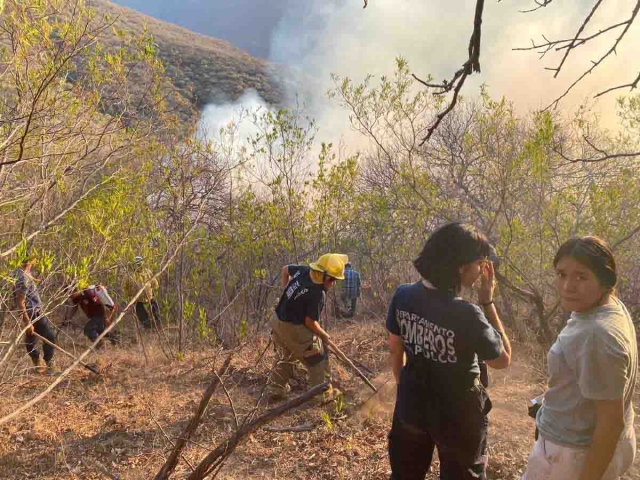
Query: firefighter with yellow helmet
point(297, 333)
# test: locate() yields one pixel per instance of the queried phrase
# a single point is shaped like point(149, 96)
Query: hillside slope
point(245, 23)
point(202, 69)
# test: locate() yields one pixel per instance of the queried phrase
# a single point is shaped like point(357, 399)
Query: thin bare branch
point(472, 65)
point(597, 63)
point(563, 44)
point(571, 45)
point(538, 6)
point(631, 86)
point(171, 463)
point(602, 155)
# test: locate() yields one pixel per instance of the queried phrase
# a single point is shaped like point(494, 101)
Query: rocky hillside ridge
point(201, 68)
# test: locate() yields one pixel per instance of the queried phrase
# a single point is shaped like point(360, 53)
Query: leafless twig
point(601, 154)
point(568, 45)
point(171, 463)
point(217, 457)
point(472, 65)
point(538, 6)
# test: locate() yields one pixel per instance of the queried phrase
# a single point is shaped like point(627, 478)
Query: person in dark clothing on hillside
point(98, 306)
point(29, 306)
point(436, 339)
point(350, 290)
point(296, 331)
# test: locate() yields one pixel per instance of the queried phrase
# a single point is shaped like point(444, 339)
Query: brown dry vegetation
point(201, 68)
point(125, 421)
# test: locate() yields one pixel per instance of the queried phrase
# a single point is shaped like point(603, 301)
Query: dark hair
point(28, 259)
point(446, 250)
point(595, 254)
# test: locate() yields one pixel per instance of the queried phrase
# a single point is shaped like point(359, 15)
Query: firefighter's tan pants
point(297, 343)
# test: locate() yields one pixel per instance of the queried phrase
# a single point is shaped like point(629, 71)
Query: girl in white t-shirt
point(586, 419)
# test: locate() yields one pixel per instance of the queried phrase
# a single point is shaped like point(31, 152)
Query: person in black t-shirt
point(436, 340)
point(296, 331)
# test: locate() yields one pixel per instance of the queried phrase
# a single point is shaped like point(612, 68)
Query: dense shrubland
point(95, 169)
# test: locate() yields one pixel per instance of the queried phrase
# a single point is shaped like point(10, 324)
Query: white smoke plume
point(215, 117)
point(317, 38)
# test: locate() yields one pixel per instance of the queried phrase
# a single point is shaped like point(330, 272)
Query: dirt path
point(124, 422)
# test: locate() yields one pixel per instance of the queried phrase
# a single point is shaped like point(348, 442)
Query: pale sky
point(317, 38)
point(338, 36)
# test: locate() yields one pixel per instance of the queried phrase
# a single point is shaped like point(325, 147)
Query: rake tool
point(348, 362)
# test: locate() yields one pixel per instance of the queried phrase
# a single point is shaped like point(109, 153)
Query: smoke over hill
point(315, 39)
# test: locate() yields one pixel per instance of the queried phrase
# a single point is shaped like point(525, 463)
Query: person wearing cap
point(29, 305)
point(147, 308)
point(297, 333)
point(98, 306)
point(436, 339)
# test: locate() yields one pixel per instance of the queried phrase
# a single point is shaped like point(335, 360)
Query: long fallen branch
point(171, 463)
point(307, 427)
point(217, 457)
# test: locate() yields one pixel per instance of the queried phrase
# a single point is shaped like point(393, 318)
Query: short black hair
point(447, 249)
point(595, 254)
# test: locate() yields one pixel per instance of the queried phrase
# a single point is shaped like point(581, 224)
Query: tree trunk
point(181, 303)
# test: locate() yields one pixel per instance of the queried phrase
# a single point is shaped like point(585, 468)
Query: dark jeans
point(459, 430)
point(42, 327)
point(484, 374)
point(142, 313)
point(94, 328)
point(350, 303)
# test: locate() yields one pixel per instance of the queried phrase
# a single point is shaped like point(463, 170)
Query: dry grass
point(124, 421)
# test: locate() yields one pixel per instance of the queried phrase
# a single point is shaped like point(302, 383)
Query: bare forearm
point(492, 315)
point(397, 362)
point(397, 355)
point(603, 446)
point(315, 327)
point(22, 308)
point(284, 276)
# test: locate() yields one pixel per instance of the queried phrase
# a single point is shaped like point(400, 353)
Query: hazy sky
point(317, 38)
point(338, 36)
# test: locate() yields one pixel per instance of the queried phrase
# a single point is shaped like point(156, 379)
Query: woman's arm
point(284, 276)
point(609, 426)
point(397, 355)
point(485, 297)
point(504, 360)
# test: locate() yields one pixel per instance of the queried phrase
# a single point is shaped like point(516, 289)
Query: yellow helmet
point(331, 264)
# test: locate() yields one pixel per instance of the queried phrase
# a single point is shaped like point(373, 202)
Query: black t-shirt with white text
point(302, 297)
point(443, 339)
